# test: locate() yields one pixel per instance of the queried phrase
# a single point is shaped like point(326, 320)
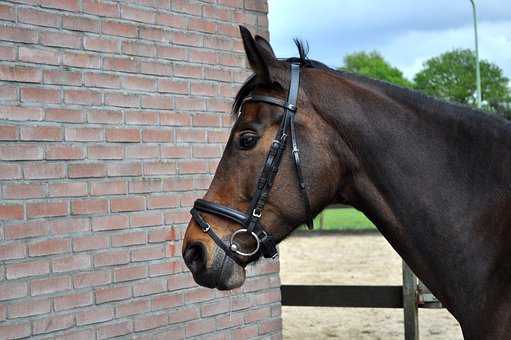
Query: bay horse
point(434, 177)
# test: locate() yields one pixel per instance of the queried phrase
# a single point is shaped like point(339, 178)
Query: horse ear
point(265, 45)
point(258, 57)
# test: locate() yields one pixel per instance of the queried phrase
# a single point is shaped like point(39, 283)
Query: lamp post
point(478, 72)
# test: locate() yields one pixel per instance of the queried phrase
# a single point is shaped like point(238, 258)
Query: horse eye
point(248, 140)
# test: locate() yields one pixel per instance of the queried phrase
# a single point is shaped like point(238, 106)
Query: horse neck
point(427, 179)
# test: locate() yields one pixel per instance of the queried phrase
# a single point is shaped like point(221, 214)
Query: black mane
point(400, 94)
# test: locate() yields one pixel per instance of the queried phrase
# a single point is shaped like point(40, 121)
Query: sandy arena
point(351, 259)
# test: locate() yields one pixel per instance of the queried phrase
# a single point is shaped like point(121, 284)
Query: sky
point(406, 32)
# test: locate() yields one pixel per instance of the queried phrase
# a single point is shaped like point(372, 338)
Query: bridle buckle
point(256, 212)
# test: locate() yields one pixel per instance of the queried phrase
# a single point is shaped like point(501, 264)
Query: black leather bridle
point(251, 221)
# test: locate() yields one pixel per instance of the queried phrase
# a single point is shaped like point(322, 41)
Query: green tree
point(451, 76)
point(373, 65)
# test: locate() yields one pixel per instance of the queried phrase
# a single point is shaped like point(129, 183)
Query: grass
point(343, 219)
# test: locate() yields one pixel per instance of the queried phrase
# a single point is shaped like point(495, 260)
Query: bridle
point(251, 221)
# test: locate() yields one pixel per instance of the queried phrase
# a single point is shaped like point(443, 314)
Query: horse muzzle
point(223, 273)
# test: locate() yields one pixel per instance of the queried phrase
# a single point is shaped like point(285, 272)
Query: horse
point(434, 177)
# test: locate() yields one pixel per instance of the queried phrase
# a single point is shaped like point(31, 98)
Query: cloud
point(406, 32)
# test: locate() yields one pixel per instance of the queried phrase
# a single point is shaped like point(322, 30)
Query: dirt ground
point(351, 259)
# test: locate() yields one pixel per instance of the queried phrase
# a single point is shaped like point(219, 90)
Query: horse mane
point(402, 95)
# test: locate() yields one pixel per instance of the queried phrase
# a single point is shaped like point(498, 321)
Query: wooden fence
point(413, 294)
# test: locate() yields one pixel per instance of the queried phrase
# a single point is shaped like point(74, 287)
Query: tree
point(373, 65)
point(451, 76)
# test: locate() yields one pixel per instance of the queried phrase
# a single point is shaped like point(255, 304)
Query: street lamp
point(478, 72)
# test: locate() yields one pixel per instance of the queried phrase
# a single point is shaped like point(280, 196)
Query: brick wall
point(112, 118)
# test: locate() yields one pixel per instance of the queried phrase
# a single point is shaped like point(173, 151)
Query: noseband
point(251, 221)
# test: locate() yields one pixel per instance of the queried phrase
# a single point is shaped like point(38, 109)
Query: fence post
point(411, 315)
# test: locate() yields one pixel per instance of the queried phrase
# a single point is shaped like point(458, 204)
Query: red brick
point(60, 39)
point(201, 25)
point(159, 168)
point(67, 226)
point(7, 12)
point(100, 8)
point(148, 253)
point(23, 230)
point(141, 151)
point(180, 315)
point(146, 322)
point(64, 152)
point(101, 45)
point(12, 250)
point(114, 330)
point(13, 290)
point(41, 133)
point(186, 7)
point(199, 327)
point(167, 301)
point(111, 258)
point(132, 308)
point(171, 52)
point(62, 77)
point(174, 333)
point(24, 152)
point(105, 151)
point(21, 113)
point(141, 84)
point(67, 5)
point(120, 64)
point(15, 331)
point(80, 59)
point(155, 34)
point(44, 170)
point(146, 219)
point(163, 202)
point(49, 247)
point(104, 117)
point(245, 332)
point(190, 103)
point(18, 34)
point(138, 49)
point(129, 239)
point(258, 314)
point(40, 95)
point(156, 135)
point(47, 209)
point(7, 53)
point(119, 28)
point(164, 268)
point(20, 74)
point(177, 216)
point(11, 212)
point(131, 203)
point(78, 23)
point(142, 117)
point(173, 86)
point(156, 68)
point(29, 308)
point(188, 71)
point(82, 97)
point(50, 285)
point(199, 295)
point(109, 188)
point(122, 100)
point(193, 167)
point(52, 324)
point(172, 151)
point(38, 56)
point(149, 287)
point(112, 294)
point(73, 301)
point(102, 80)
point(86, 170)
point(110, 222)
point(22, 191)
point(64, 115)
point(157, 102)
point(125, 169)
point(206, 151)
point(85, 134)
point(191, 135)
point(162, 235)
point(204, 89)
point(138, 14)
point(71, 263)
point(67, 189)
point(216, 73)
point(129, 273)
point(32, 268)
point(89, 206)
point(85, 334)
point(91, 279)
point(90, 242)
point(178, 184)
point(95, 315)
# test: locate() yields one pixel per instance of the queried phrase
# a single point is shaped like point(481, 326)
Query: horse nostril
point(195, 256)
